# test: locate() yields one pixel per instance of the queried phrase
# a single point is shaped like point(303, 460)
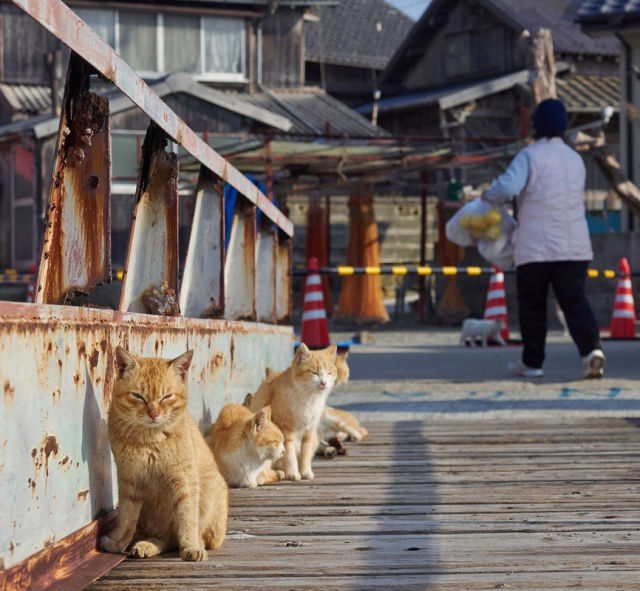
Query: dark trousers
point(568, 280)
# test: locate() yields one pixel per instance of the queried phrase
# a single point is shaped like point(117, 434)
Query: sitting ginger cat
point(338, 425)
point(297, 397)
point(246, 445)
point(171, 494)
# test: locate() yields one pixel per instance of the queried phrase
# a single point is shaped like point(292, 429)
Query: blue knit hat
point(550, 118)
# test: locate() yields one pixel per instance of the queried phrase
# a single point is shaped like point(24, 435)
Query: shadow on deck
point(450, 505)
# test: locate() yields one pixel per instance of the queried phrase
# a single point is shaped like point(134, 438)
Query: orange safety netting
point(316, 246)
point(361, 298)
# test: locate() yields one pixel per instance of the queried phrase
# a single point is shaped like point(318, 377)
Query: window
point(211, 48)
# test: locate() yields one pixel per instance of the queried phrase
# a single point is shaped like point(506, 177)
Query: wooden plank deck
point(451, 505)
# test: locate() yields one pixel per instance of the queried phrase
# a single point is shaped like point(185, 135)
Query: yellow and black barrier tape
point(12, 276)
point(426, 270)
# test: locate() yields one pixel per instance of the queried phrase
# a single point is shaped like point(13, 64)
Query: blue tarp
point(230, 197)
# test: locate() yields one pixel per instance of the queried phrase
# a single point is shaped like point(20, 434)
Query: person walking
point(551, 241)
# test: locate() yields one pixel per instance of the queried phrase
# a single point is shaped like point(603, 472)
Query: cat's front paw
point(109, 545)
point(193, 554)
point(280, 474)
point(308, 475)
point(293, 476)
point(144, 549)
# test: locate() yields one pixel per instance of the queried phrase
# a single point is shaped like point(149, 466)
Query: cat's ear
point(181, 364)
point(259, 420)
point(332, 350)
point(267, 411)
point(247, 400)
point(124, 361)
point(302, 353)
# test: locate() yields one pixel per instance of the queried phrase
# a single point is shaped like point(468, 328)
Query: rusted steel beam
point(266, 285)
point(240, 264)
point(284, 302)
point(70, 563)
point(202, 289)
point(60, 20)
point(76, 253)
point(150, 282)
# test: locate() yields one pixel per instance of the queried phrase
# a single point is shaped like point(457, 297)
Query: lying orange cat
point(246, 445)
point(171, 493)
point(297, 397)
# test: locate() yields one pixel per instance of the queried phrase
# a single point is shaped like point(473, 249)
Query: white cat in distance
point(483, 329)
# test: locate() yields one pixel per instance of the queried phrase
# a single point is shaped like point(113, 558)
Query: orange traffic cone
point(314, 331)
point(496, 306)
point(623, 323)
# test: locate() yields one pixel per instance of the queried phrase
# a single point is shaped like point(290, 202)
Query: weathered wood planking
point(482, 505)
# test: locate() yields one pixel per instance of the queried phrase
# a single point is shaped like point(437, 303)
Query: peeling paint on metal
point(49, 347)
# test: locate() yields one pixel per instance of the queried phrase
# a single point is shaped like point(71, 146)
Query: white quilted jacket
point(551, 214)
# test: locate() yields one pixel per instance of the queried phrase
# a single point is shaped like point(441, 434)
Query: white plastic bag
point(489, 227)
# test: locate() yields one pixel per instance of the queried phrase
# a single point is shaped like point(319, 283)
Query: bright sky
point(414, 8)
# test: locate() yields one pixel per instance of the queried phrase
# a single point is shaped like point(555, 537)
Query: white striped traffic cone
point(623, 323)
point(314, 331)
point(496, 306)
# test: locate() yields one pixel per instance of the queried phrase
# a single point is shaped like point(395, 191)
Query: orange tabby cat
point(245, 446)
point(297, 397)
point(339, 424)
point(171, 494)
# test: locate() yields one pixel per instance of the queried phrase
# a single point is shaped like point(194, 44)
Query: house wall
point(283, 49)
point(492, 48)
point(19, 61)
point(351, 85)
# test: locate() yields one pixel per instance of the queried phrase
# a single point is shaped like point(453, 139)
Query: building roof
point(361, 33)
point(588, 93)
point(609, 14)
point(303, 111)
point(559, 16)
point(581, 93)
point(314, 112)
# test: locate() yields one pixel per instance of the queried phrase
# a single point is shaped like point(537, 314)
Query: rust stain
point(82, 350)
point(9, 392)
point(76, 378)
point(82, 495)
point(77, 250)
point(64, 460)
point(93, 359)
point(216, 362)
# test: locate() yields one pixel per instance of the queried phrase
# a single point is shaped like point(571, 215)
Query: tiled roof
point(313, 112)
point(588, 94)
point(560, 17)
point(613, 12)
point(363, 33)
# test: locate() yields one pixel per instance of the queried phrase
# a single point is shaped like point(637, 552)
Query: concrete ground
point(422, 373)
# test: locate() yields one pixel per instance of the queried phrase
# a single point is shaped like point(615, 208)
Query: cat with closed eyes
point(171, 493)
point(245, 446)
point(297, 397)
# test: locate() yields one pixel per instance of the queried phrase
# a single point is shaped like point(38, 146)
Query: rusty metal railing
point(57, 477)
point(76, 246)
